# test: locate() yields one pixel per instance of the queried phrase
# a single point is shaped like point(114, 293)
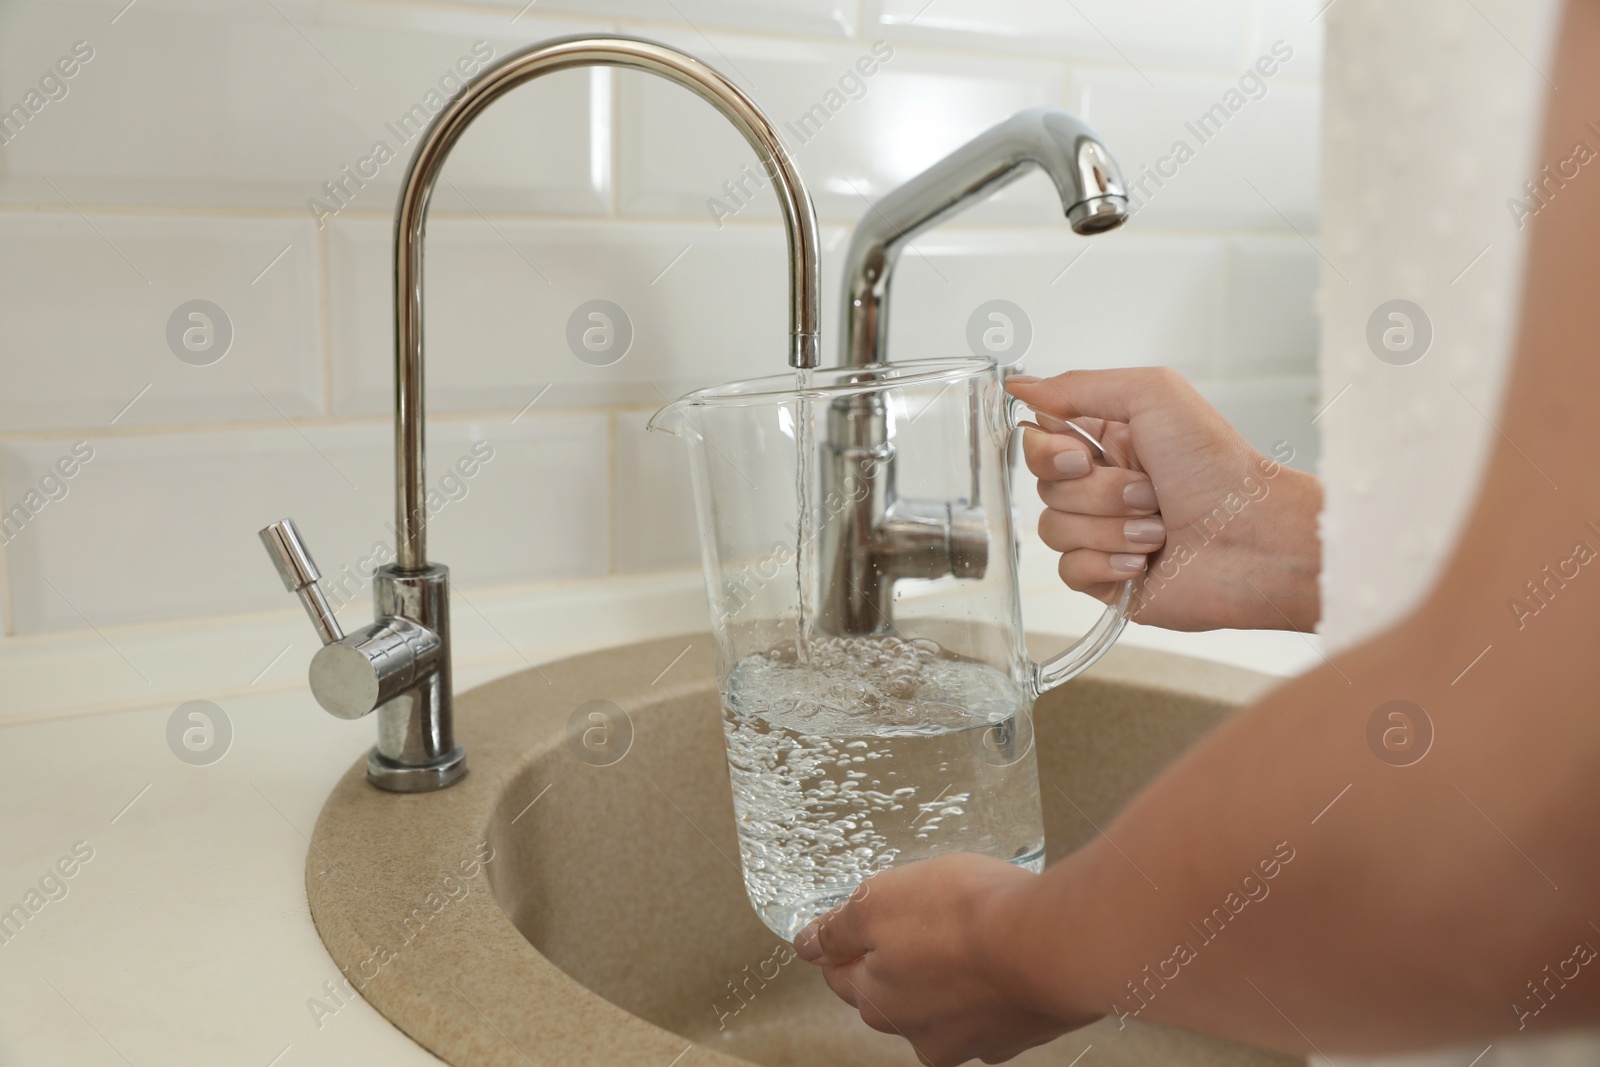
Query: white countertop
point(186, 939)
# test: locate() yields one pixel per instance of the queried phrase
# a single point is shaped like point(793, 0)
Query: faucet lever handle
point(299, 573)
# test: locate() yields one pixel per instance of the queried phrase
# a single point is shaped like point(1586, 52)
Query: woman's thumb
point(1100, 394)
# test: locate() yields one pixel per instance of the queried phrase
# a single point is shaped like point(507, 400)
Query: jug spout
point(673, 419)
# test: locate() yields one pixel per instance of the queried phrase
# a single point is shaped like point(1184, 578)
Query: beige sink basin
point(610, 926)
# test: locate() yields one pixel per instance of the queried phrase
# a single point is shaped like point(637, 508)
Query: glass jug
point(861, 568)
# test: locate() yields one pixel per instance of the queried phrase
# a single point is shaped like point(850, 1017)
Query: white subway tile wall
point(196, 248)
point(705, 306)
point(254, 105)
point(1136, 300)
point(1191, 162)
point(894, 112)
point(88, 299)
point(1150, 33)
point(535, 505)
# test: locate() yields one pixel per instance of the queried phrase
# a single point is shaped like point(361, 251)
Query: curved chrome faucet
point(400, 664)
point(1062, 145)
point(879, 538)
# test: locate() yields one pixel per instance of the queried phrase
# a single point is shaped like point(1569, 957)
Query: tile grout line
point(368, 419)
point(919, 41)
point(616, 144)
point(356, 422)
point(612, 496)
point(1218, 361)
point(336, 422)
point(9, 629)
point(660, 220)
point(325, 318)
point(1248, 45)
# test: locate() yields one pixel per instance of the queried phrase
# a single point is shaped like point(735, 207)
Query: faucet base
point(401, 778)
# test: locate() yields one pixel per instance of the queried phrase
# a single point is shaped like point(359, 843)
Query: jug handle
point(1082, 654)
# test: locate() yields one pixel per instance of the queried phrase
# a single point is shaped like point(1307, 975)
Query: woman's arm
point(1353, 904)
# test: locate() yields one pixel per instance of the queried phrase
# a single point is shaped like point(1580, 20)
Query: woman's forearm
point(1397, 850)
point(1291, 883)
point(1436, 893)
point(1282, 592)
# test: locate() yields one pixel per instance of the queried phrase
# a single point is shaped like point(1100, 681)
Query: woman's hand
point(919, 951)
point(1214, 534)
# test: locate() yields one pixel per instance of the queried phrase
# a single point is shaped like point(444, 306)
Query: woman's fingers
point(1099, 574)
point(1104, 520)
point(1061, 455)
point(1060, 458)
point(1054, 456)
point(1117, 538)
point(1104, 491)
point(1106, 394)
point(843, 983)
point(839, 936)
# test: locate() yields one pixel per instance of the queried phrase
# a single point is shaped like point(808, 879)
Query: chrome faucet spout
point(1062, 145)
point(400, 664)
point(880, 539)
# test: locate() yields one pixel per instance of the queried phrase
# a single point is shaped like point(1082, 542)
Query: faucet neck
point(631, 53)
point(1063, 146)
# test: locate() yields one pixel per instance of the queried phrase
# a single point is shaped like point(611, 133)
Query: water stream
point(806, 494)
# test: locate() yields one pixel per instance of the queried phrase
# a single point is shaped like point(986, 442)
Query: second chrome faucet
point(880, 538)
point(399, 665)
